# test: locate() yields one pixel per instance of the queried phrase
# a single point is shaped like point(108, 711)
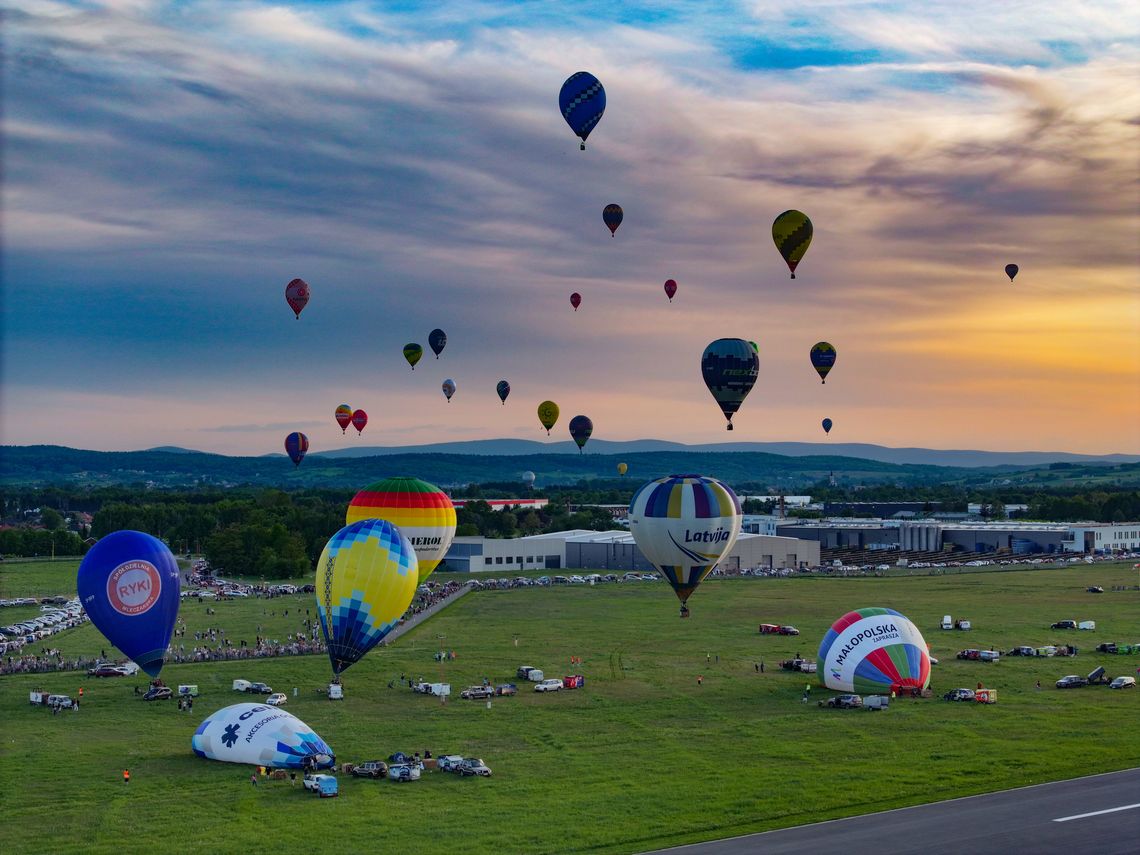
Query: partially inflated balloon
point(547, 415)
point(823, 356)
point(791, 232)
point(261, 735)
point(344, 417)
point(684, 525)
point(423, 513)
point(670, 289)
point(448, 389)
point(297, 296)
point(612, 216)
point(437, 341)
point(296, 446)
point(826, 425)
point(366, 578)
point(359, 420)
point(582, 101)
point(575, 300)
point(129, 586)
point(504, 389)
point(874, 650)
point(1011, 271)
point(622, 469)
point(412, 353)
point(580, 430)
point(729, 367)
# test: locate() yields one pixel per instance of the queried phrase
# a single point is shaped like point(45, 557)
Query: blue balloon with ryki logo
point(129, 586)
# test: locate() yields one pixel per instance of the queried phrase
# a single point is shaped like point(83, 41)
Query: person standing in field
point(126, 776)
point(700, 679)
point(253, 780)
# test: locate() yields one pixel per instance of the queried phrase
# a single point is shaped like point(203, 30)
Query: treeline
point(40, 542)
point(1098, 505)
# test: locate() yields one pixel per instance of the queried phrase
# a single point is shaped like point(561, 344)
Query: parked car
point(276, 699)
point(324, 786)
point(1073, 681)
point(159, 693)
point(259, 689)
point(769, 629)
point(403, 772)
point(1095, 589)
point(523, 670)
point(474, 766)
point(969, 654)
point(788, 630)
point(107, 669)
point(552, 685)
point(876, 702)
point(506, 689)
point(1123, 683)
point(843, 702)
point(1064, 624)
point(476, 693)
point(959, 695)
point(371, 769)
point(989, 656)
point(449, 763)
point(1106, 647)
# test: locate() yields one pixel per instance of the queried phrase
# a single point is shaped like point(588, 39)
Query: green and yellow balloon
point(791, 232)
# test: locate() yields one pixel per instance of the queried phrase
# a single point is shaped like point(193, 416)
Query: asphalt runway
point(1096, 814)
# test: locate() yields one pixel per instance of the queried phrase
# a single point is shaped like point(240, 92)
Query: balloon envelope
point(412, 353)
point(580, 429)
point(422, 512)
point(582, 101)
point(129, 586)
point(297, 295)
point(826, 425)
point(448, 387)
point(684, 525)
point(791, 232)
point(729, 367)
point(823, 356)
point(437, 341)
point(874, 650)
point(670, 289)
point(504, 389)
point(261, 735)
point(359, 420)
point(548, 415)
point(622, 468)
point(612, 216)
point(528, 478)
point(1011, 271)
point(296, 446)
point(366, 578)
point(575, 300)
point(344, 417)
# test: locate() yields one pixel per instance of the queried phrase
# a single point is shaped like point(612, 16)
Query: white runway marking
point(1097, 812)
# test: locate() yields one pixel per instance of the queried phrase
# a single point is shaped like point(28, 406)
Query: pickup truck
point(477, 693)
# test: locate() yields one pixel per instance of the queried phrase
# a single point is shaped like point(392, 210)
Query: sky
point(169, 167)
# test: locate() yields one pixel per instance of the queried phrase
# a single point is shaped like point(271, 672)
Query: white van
point(947, 622)
point(1087, 624)
point(535, 675)
point(241, 685)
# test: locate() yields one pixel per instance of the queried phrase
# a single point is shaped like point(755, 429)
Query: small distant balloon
point(412, 353)
point(575, 300)
point(297, 296)
point(437, 341)
point(582, 101)
point(1011, 271)
point(612, 216)
point(528, 479)
point(670, 289)
point(296, 444)
point(504, 389)
point(622, 468)
point(548, 415)
point(826, 425)
point(344, 417)
point(729, 367)
point(580, 430)
point(359, 420)
point(448, 389)
point(823, 357)
point(791, 232)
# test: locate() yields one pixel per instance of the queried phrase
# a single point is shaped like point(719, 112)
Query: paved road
point(1098, 814)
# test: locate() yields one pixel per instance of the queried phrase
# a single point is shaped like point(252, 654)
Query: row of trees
point(31, 542)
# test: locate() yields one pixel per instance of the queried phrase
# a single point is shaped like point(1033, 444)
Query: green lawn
point(643, 757)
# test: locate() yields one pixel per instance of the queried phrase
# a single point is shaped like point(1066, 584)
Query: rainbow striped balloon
point(422, 511)
point(874, 650)
point(684, 525)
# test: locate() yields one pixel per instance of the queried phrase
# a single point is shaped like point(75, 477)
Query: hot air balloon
point(622, 469)
point(823, 357)
point(580, 429)
point(437, 341)
point(575, 300)
point(412, 353)
point(448, 387)
point(548, 415)
point(528, 479)
point(366, 578)
point(791, 233)
point(684, 525)
point(670, 289)
point(876, 651)
point(261, 735)
point(422, 512)
point(359, 420)
point(582, 101)
point(296, 446)
point(826, 425)
point(344, 417)
point(1011, 271)
point(297, 296)
point(129, 586)
point(612, 216)
point(730, 367)
point(504, 389)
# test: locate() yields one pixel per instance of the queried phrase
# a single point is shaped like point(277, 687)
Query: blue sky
point(170, 166)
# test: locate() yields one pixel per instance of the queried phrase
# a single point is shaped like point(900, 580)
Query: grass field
point(641, 758)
